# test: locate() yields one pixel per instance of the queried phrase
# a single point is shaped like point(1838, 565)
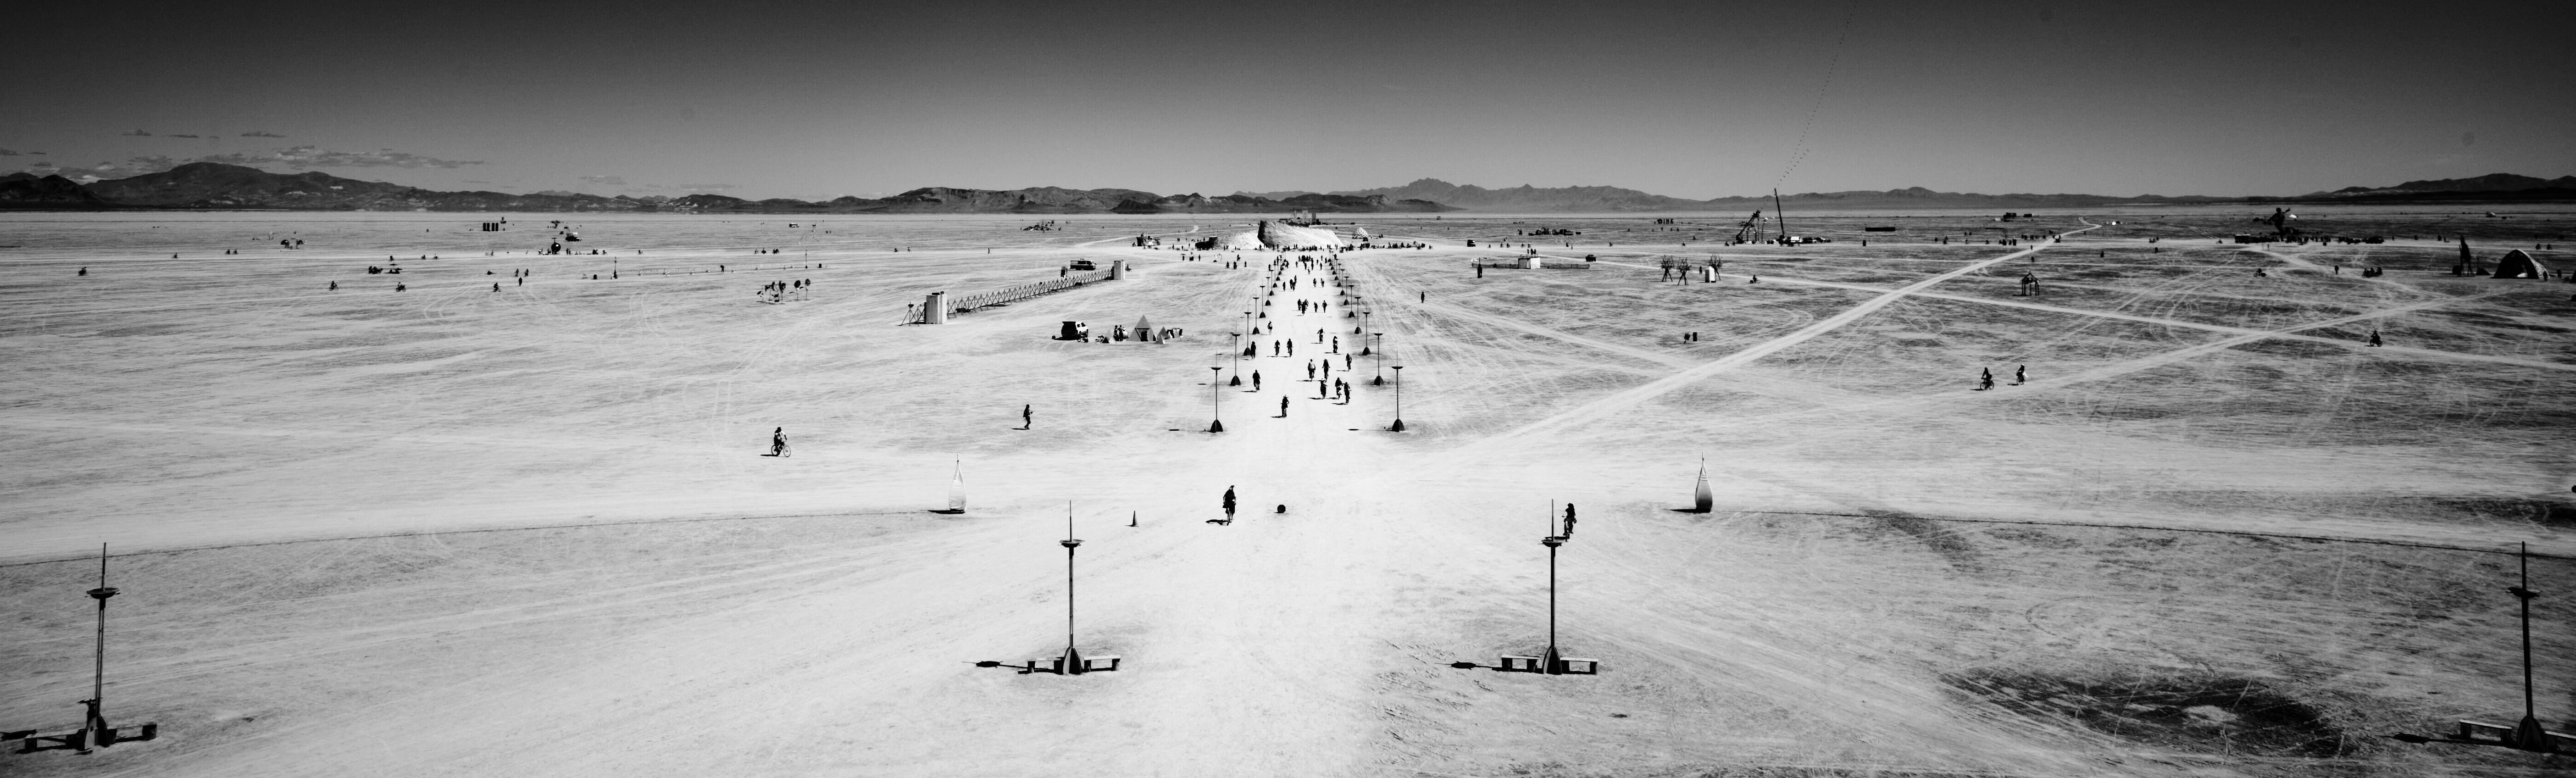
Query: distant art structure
point(1701, 500)
point(957, 487)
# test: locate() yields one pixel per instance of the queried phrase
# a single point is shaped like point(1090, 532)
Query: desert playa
point(515, 519)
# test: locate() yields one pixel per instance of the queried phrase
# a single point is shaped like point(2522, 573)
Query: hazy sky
point(1686, 99)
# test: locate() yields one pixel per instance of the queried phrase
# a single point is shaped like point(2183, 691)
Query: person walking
point(2374, 337)
point(1256, 380)
point(1283, 406)
point(2021, 374)
point(1028, 416)
point(1229, 504)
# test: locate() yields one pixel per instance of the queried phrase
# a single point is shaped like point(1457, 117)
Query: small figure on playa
point(1229, 508)
point(334, 287)
point(84, 270)
point(1256, 380)
point(1028, 415)
point(1283, 406)
point(1569, 522)
point(777, 443)
point(2374, 337)
point(1985, 379)
point(2021, 374)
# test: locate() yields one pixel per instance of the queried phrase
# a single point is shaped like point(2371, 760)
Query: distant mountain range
point(210, 185)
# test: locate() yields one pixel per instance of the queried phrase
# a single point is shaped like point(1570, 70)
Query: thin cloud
point(606, 180)
point(692, 187)
point(305, 157)
point(180, 136)
point(7, 153)
point(259, 134)
point(139, 134)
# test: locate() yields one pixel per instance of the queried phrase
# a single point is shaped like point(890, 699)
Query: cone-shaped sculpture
point(957, 488)
point(1144, 329)
point(1700, 499)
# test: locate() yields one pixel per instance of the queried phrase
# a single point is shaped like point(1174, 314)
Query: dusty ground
point(449, 530)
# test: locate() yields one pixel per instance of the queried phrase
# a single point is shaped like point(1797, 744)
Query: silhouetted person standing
point(1229, 505)
point(1028, 416)
point(1569, 521)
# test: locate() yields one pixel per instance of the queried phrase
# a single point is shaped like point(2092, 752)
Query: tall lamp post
point(1399, 399)
point(1551, 663)
point(1216, 417)
point(1236, 354)
point(1379, 351)
point(2528, 735)
point(1073, 664)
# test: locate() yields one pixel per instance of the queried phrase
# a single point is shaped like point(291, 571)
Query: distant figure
point(1229, 505)
point(1283, 508)
point(2374, 337)
point(398, 286)
point(1283, 406)
point(1426, 297)
point(777, 442)
point(1310, 370)
point(2021, 374)
point(84, 270)
point(1256, 380)
point(496, 286)
point(1757, 278)
point(1985, 379)
point(335, 286)
point(1028, 416)
point(1569, 522)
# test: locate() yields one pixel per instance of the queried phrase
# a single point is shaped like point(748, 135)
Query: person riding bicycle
point(778, 442)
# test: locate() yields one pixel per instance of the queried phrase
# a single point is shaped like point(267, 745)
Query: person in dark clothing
point(1229, 505)
point(1569, 521)
point(1283, 406)
point(1028, 415)
point(2374, 337)
point(1256, 380)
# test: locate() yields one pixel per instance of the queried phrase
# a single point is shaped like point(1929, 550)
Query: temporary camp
point(1144, 329)
point(1074, 330)
point(2516, 264)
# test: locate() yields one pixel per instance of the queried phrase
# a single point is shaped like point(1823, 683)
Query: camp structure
point(2517, 264)
point(1144, 330)
point(1074, 330)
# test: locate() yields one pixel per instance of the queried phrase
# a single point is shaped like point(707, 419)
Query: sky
point(1698, 100)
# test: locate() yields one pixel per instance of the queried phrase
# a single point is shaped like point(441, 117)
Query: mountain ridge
point(211, 185)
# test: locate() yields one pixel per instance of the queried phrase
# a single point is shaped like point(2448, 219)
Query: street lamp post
point(1551, 663)
point(1216, 417)
point(1399, 399)
point(1073, 664)
point(1379, 352)
point(1236, 354)
point(2528, 735)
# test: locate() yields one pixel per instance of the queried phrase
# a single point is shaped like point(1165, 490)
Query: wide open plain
point(456, 531)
